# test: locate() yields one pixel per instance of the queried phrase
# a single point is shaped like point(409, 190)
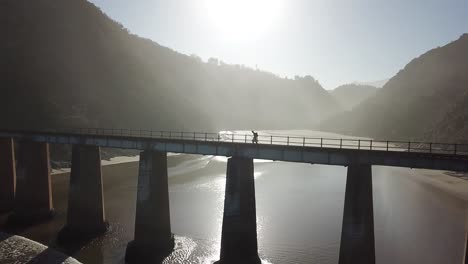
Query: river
point(299, 214)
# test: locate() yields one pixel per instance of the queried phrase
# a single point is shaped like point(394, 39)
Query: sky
point(335, 41)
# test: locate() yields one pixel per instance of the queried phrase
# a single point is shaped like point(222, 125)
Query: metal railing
point(264, 139)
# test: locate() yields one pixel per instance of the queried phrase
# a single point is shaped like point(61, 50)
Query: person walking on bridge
point(255, 137)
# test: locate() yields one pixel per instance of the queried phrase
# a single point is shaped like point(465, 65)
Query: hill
point(454, 126)
point(65, 63)
point(350, 95)
point(424, 100)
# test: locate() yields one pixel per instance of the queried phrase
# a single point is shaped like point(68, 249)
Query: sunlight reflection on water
point(299, 214)
point(196, 251)
point(218, 184)
point(225, 159)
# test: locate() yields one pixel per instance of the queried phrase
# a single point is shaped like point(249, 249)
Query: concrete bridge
point(25, 187)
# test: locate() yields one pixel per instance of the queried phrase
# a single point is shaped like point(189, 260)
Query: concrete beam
point(239, 233)
point(33, 200)
point(7, 174)
point(357, 234)
point(307, 154)
point(153, 238)
point(86, 215)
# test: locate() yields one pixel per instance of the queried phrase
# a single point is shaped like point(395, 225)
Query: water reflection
point(299, 214)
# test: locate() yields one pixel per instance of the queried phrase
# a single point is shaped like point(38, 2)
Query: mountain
point(350, 95)
point(65, 63)
point(426, 98)
point(454, 126)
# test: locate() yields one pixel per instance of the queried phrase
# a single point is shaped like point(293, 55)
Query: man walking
point(255, 137)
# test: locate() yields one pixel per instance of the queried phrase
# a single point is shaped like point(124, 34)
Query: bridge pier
point(7, 174)
point(153, 238)
point(33, 199)
point(465, 248)
point(86, 214)
point(465, 257)
point(239, 233)
point(357, 234)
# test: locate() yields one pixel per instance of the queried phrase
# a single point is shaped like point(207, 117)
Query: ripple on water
point(195, 251)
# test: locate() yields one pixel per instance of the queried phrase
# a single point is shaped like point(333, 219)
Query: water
point(299, 214)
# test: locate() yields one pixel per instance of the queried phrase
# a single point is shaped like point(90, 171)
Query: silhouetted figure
point(255, 137)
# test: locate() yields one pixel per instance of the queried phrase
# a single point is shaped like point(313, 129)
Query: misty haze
point(221, 131)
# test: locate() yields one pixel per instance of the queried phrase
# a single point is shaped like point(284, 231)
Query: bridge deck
point(341, 152)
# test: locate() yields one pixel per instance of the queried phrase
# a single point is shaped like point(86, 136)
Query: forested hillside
point(65, 63)
point(425, 100)
point(454, 126)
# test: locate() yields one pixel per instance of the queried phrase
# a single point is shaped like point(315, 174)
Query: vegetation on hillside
point(425, 100)
point(67, 64)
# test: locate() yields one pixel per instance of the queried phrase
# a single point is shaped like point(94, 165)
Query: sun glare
point(243, 19)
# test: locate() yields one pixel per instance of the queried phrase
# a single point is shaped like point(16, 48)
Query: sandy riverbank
point(447, 182)
point(454, 184)
point(172, 159)
point(178, 167)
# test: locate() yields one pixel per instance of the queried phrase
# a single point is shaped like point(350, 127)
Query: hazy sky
point(336, 41)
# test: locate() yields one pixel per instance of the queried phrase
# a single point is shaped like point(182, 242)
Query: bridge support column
point(7, 174)
point(33, 199)
point(86, 214)
point(153, 238)
point(239, 233)
point(357, 234)
point(465, 257)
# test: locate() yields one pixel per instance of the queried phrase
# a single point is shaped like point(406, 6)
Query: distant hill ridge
point(425, 100)
point(351, 95)
point(65, 63)
point(378, 84)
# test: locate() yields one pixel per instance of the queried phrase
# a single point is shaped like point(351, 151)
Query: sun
point(242, 19)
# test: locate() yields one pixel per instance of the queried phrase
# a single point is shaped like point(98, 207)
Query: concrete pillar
point(357, 234)
point(153, 238)
point(7, 174)
point(33, 200)
point(85, 216)
point(465, 257)
point(239, 234)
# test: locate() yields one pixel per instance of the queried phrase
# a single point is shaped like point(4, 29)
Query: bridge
point(25, 186)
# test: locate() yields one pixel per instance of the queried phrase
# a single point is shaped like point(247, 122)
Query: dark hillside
point(419, 100)
point(454, 126)
point(65, 63)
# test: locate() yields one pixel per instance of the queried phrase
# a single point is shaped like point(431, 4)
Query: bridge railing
point(268, 139)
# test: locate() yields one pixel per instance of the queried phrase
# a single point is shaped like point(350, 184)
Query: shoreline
point(444, 181)
point(172, 157)
point(454, 184)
